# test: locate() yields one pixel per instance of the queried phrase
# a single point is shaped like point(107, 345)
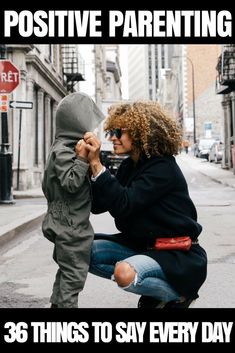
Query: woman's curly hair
point(152, 130)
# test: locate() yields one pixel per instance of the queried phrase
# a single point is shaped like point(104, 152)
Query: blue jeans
point(150, 280)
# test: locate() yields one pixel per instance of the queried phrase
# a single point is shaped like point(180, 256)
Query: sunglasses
point(117, 132)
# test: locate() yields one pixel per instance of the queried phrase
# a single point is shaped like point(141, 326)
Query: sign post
point(9, 80)
point(20, 105)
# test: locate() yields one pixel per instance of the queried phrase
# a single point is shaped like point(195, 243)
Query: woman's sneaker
point(149, 302)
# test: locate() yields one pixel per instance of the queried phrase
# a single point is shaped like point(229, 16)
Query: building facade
point(191, 95)
point(47, 74)
point(145, 63)
point(225, 87)
point(42, 83)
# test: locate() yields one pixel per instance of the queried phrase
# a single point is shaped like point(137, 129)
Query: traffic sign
point(20, 105)
point(3, 103)
point(9, 76)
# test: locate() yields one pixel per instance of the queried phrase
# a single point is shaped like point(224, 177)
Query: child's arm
point(70, 170)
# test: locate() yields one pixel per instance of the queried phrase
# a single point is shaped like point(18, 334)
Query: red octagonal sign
point(9, 76)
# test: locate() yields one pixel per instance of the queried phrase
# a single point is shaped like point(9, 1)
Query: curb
point(27, 196)
point(219, 181)
point(26, 226)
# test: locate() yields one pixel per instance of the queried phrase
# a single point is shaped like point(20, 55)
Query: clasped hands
point(89, 148)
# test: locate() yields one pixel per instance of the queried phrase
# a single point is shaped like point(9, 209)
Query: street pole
point(193, 96)
point(5, 142)
point(5, 165)
point(6, 196)
point(19, 148)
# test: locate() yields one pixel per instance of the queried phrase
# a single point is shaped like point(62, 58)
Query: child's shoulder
point(59, 145)
point(60, 149)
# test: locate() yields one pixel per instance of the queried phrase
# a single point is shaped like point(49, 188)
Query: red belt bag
point(176, 243)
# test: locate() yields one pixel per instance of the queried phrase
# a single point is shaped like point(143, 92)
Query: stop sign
point(9, 76)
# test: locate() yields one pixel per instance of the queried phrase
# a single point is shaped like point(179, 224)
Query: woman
point(148, 199)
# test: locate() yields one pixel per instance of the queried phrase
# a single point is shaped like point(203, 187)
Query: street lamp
point(193, 95)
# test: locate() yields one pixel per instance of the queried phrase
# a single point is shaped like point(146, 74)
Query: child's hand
point(81, 150)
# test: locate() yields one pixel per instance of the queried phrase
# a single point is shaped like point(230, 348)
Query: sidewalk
point(30, 206)
point(28, 209)
point(211, 170)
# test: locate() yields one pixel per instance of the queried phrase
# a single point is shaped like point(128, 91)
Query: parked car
point(203, 147)
point(111, 161)
point(216, 152)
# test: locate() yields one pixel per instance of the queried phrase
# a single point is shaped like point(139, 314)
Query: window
point(208, 129)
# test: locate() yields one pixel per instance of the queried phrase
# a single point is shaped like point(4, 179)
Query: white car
point(216, 152)
point(203, 148)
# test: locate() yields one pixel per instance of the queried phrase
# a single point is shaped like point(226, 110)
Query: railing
point(226, 66)
point(73, 66)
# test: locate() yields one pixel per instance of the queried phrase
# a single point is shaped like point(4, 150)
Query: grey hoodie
point(65, 182)
point(76, 114)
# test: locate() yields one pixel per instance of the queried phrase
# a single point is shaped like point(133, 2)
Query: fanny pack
point(175, 243)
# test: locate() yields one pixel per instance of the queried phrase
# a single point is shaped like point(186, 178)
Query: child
point(66, 186)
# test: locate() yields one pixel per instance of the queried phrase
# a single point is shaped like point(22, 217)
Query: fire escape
point(225, 81)
point(73, 66)
point(225, 84)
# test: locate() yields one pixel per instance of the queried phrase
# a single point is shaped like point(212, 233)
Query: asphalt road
point(27, 269)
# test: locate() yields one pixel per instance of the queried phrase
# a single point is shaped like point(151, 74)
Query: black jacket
point(150, 200)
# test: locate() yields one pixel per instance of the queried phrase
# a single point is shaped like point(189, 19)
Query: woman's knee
point(124, 274)
point(98, 249)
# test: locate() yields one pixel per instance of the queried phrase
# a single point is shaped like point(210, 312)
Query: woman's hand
point(93, 146)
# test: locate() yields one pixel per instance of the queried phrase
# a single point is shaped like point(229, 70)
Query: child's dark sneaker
point(149, 302)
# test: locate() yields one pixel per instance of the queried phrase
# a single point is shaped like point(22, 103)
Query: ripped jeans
point(150, 280)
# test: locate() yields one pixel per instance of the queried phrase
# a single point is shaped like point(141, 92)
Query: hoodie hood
point(76, 114)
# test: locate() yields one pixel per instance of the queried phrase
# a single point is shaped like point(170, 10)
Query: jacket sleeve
point(126, 201)
point(70, 170)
